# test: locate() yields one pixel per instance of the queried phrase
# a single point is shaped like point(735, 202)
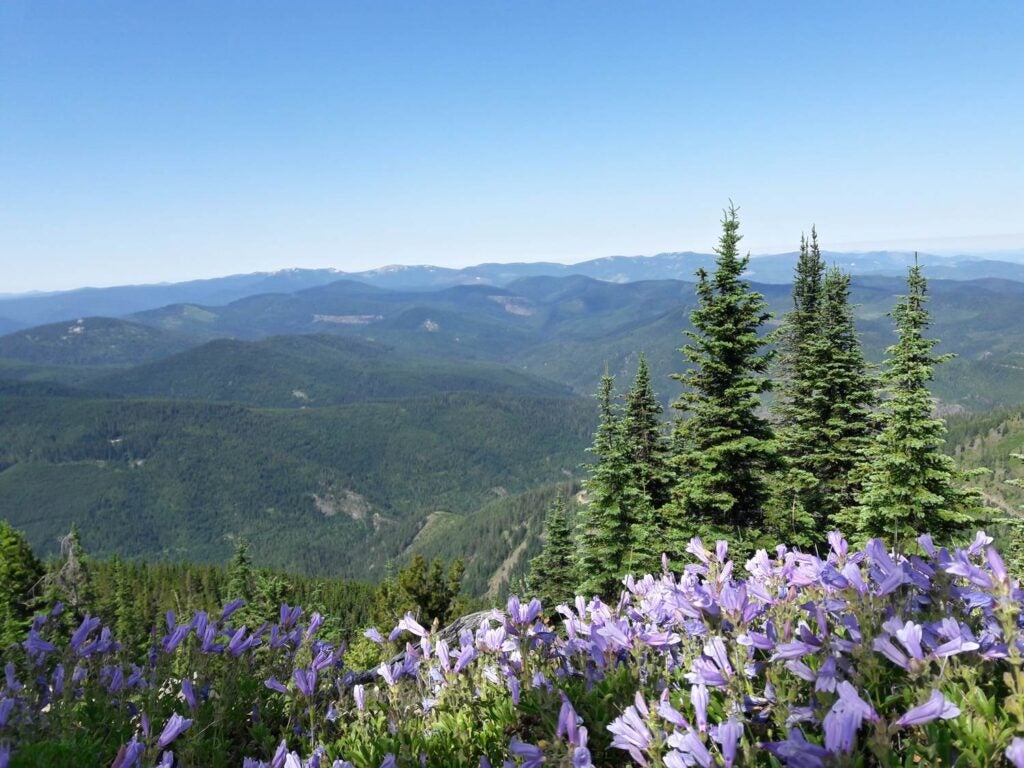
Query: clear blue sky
point(144, 141)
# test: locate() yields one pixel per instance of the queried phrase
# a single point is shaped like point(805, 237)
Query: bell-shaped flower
point(937, 707)
point(176, 726)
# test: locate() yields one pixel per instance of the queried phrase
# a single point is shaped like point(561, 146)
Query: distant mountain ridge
point(563, 329)
point(28, 310)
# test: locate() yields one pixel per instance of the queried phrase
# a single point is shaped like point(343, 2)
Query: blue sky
point(145, 141)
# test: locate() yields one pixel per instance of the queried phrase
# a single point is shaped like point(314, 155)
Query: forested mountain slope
point(332, 489)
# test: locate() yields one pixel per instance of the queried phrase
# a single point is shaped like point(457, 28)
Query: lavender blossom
point(176, 726)
point(359, 693)
point(630, 732)
point(1015, 752)
point(230, 608)
point(936, 707)
point(532, 755)
point(844, 719)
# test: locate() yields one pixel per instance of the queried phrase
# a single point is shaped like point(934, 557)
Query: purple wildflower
point(230, 608)
point(844, 719)
point(631, 733)
point(36, 646)
point(359, 694)
point(936, 707)
point(1015, 752)
point(6, 705)
point(699, 700)
point(466, 655)
point(275, 685)
point(305, 681)
point(728, 735)
point(689, 750)
point(129, 754)
point(174, 728)
point(408, 623)
point(797, 751)
point(13, 686)
point(189, 693)
point(86, 628)
point(532, 755)
point(521, 615)
point(315, 622)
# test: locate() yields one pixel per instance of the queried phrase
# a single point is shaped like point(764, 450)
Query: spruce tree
point(553, 575)
point(791, 509)
point(604, 529)
point(240, 573)
point(824, 407)
point(910, 486)
point(845, 402)
point(20, 574)
point(725, 448)
point(646, 491)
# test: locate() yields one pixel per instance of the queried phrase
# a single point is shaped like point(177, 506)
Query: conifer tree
point(20, 573)
point(240, 573)
point(824, 406)
point(647, 488)
point(725, 448)
point(604, 529)
point(845, 402)
point(799, 373)
point(910, 485)
point(553, 575)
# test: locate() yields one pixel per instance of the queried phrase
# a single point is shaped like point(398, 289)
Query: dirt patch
point(504, 571)
point(344, 502)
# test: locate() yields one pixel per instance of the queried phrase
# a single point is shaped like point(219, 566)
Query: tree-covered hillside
point(313, 371)
point(331, 490)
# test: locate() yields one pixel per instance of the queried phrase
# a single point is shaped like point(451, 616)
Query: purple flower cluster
point(806, 658)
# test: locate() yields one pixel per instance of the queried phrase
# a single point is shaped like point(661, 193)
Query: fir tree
point(824, 406)
point(845, 402)
point(910, 485)
point(604, 529)
point(646, 491)
point(553, 575)
point(240, 573)
point(725, 449)
point(20, 574)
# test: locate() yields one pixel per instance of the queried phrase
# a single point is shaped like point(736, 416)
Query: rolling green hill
point(336, 490)
point(91, 341)
point(313, 371)
point(565, 329)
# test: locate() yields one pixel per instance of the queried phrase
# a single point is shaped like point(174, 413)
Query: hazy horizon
point(1012, 255)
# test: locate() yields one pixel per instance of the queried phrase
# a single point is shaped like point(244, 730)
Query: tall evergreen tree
point(647, 485)
point(826, 394)
point(240, 573)
point(604, 529)
point(910, 485)
point(845, 402)
point(553, 576)
point(20, 574)
point(798, 366)
point(725, 448)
